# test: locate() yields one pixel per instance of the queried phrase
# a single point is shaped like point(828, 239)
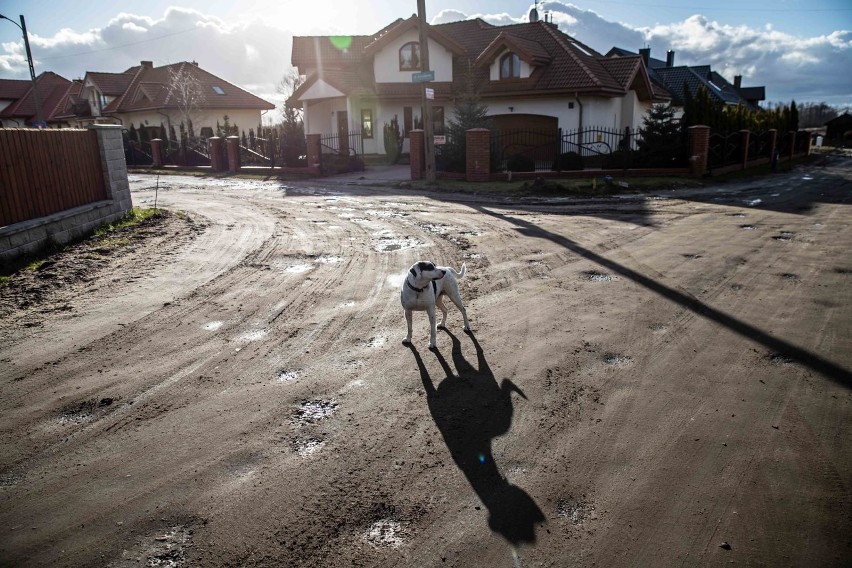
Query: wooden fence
point(47, 171)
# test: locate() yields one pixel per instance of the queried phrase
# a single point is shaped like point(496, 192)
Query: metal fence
point(349, 145)
point(558, 149)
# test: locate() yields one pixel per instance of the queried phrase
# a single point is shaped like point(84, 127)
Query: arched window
point(409, 56)
point(510, 66)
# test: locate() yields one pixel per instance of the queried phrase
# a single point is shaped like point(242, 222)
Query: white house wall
point(243, 118)
point(386, 61)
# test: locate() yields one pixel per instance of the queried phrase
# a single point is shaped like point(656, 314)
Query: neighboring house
point(143, 96)
point(839, 128)
point(147, 97)
point(530, 75)
point(665, 75)
point(18, 104)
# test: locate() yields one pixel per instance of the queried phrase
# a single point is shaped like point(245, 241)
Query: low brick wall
point(26, 237)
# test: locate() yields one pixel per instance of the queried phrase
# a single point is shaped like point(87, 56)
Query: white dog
point(424, 288)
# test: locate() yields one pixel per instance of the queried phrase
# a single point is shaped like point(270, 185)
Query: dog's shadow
point(470, 410)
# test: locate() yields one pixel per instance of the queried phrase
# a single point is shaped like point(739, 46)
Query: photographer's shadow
point(470, 410)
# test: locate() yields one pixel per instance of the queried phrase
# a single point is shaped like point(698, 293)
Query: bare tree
point(186, 91)
point(289, 83)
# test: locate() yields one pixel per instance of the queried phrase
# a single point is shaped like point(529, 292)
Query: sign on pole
point(430, 94)
point(423, 77)
point(440, 139)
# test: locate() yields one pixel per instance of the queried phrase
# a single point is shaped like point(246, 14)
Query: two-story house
point(528, 75)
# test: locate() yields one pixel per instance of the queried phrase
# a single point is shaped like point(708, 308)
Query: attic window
point(510, 66)
point(581, 48)
point(218, 90)
point(409, 56)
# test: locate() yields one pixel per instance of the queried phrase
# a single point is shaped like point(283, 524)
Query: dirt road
point(651, 381)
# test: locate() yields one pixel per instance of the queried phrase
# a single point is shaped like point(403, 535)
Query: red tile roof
point(52, 89)
point(149, 89)
point(562, 64)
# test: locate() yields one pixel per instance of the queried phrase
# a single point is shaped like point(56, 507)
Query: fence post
point(418, 156)
point(745, 136)
point(233, 148)
point(216, 154)
point(114, 166)
point(314, 150)
point(699, 149)
point(792, 150)
point(478, 158)
point(157, 152)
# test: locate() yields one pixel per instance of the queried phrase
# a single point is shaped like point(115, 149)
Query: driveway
point(658, 380)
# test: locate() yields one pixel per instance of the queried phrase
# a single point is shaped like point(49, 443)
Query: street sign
point(423, 77)
point(430, 94)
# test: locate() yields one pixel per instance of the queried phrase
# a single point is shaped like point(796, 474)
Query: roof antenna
point(534, 13)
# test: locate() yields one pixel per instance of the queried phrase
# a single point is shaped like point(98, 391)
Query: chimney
point(148, 64)
point(738, 81)
point(645, 52)
point(670, 58)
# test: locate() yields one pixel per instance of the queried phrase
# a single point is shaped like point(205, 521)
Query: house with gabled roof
point(672, 78)
point(142, 96)
point(529, 75)
point(146, 97)
point(18, 101)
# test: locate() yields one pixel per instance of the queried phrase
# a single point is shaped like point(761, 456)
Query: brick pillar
point(216, 154)
point(114, 167)
point(745, 136)
point(699, 149)
point(478, 158)
point(314, 149)
point(418, 153)
point(157, 152)
point(792, 150)
point(233, 148)
point(773, 146)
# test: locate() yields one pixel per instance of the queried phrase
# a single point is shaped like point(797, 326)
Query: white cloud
point(255, 54)
point(790, 67)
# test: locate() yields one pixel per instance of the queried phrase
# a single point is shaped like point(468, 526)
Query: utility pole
point(429, 138)
point(23, 28)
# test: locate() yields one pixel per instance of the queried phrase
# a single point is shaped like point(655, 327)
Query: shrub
point(520, 163)
point(568, 161)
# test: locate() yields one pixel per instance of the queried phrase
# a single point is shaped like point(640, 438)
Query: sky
point(798, 49)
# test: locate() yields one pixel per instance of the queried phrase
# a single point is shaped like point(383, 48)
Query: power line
point(53, 57)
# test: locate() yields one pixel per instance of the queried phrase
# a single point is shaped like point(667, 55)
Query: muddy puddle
point(596, 276)
point(309, 447)
point(166, 549)
point(313, 411)
point(576, 511)
point(617, 359)
point(85, 411)
point(287, 375)
point(386, 533)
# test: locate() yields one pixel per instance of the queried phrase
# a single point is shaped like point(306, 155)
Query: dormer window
point(409, 56)
point(510, 66)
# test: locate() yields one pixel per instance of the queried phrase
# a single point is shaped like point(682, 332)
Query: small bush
point(520, 163)
point(568, 161)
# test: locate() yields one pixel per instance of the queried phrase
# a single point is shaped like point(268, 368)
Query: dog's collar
point(418, 290)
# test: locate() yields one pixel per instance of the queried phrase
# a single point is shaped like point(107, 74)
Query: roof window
point(218, 90)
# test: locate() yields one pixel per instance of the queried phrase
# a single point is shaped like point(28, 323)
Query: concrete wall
point(30, 236)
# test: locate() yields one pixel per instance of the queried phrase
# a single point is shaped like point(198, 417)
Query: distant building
point(143, 96)
point(839, 129)
point(672, 78)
